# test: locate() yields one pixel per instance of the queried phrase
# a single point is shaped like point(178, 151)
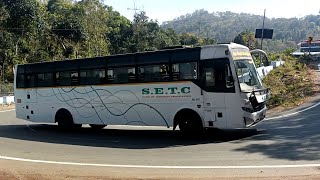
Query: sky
point(165, 10)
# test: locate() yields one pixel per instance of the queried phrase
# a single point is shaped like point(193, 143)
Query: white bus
point(193, 88)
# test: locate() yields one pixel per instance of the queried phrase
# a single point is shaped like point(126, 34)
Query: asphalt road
point(282, 146)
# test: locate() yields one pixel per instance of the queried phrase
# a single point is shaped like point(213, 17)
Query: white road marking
point(7, 110)
point(158, 167)
point(291, 114)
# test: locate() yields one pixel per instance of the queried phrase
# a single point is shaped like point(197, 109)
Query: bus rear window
point(20, 81)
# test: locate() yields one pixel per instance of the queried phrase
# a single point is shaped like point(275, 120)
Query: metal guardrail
point(6, 94)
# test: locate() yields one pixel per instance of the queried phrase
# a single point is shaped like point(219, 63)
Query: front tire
point(190, 123)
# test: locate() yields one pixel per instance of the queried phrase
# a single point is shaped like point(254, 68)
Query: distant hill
point(225, 26)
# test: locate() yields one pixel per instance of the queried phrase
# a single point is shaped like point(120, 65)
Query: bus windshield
point(247, 75)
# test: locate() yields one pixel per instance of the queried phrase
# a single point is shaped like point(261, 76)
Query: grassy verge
point(289, 84)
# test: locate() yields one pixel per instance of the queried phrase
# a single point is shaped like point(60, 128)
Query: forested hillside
point(48, 30)
point(225, 26)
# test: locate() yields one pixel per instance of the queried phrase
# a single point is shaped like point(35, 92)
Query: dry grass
point(290, 84)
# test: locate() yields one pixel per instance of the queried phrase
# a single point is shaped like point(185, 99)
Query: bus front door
point(213, 84)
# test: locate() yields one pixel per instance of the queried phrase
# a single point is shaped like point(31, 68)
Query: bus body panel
point(144, 104)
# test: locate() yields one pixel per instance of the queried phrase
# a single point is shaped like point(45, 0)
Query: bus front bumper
point(251, 119)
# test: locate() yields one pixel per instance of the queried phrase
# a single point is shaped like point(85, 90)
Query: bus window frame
point(220, 67)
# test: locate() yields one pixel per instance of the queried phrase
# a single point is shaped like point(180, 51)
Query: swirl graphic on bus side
point(89, 102)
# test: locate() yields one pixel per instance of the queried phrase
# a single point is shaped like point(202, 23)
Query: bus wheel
point(190, 123)
point(97, 126)
point(65, 120)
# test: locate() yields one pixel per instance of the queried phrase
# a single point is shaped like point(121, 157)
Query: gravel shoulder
point(14, 170)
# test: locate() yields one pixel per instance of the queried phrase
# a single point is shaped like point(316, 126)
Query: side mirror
point(229, 82)
point(229, 78)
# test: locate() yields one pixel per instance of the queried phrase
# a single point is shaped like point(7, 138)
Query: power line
point(135, 9)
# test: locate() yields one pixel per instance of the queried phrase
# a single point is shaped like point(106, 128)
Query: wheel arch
point(64, 111)
point(185, 112)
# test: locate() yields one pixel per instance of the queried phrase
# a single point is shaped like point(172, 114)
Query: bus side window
point(110, 75)
point(216, 76)
point(132, 74)
point(20, 81)
point(44, 79)
point(184, 71)
point(210, 79)
point(164, 72)
point(152, 73)
point(74, 78)
point(67, 78)
point(118, 75)
point(63, 78)
point(92, 77)
point(141, 74)
point(57, 79)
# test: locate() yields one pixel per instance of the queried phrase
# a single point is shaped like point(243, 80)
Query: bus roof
point(181, 53)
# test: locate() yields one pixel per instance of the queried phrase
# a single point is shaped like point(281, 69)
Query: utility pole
point(135, 24)
point(264, 17)
point(134, 8)
point(2, 56)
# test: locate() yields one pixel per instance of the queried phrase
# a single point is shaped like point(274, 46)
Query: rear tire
point(97, 126)
point(65, 120)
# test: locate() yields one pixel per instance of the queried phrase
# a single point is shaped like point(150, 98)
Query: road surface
point(279, 147)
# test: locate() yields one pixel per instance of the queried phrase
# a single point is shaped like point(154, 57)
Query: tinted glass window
point(74, 78)
point(29, 81)
point(96, 76)
point(63, 78)
point(67, 78)
point(20, 81)
point(45, 79)
point(184, 71)
point(153, 73)
point(215, 76)
point(121, 75)
point(131, 74)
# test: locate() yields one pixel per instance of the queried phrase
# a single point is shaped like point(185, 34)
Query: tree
point(120, 32)
point(188, 39)
point(140, 32)
point(245, 38)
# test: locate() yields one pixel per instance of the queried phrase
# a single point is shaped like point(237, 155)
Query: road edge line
point(158, 167)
